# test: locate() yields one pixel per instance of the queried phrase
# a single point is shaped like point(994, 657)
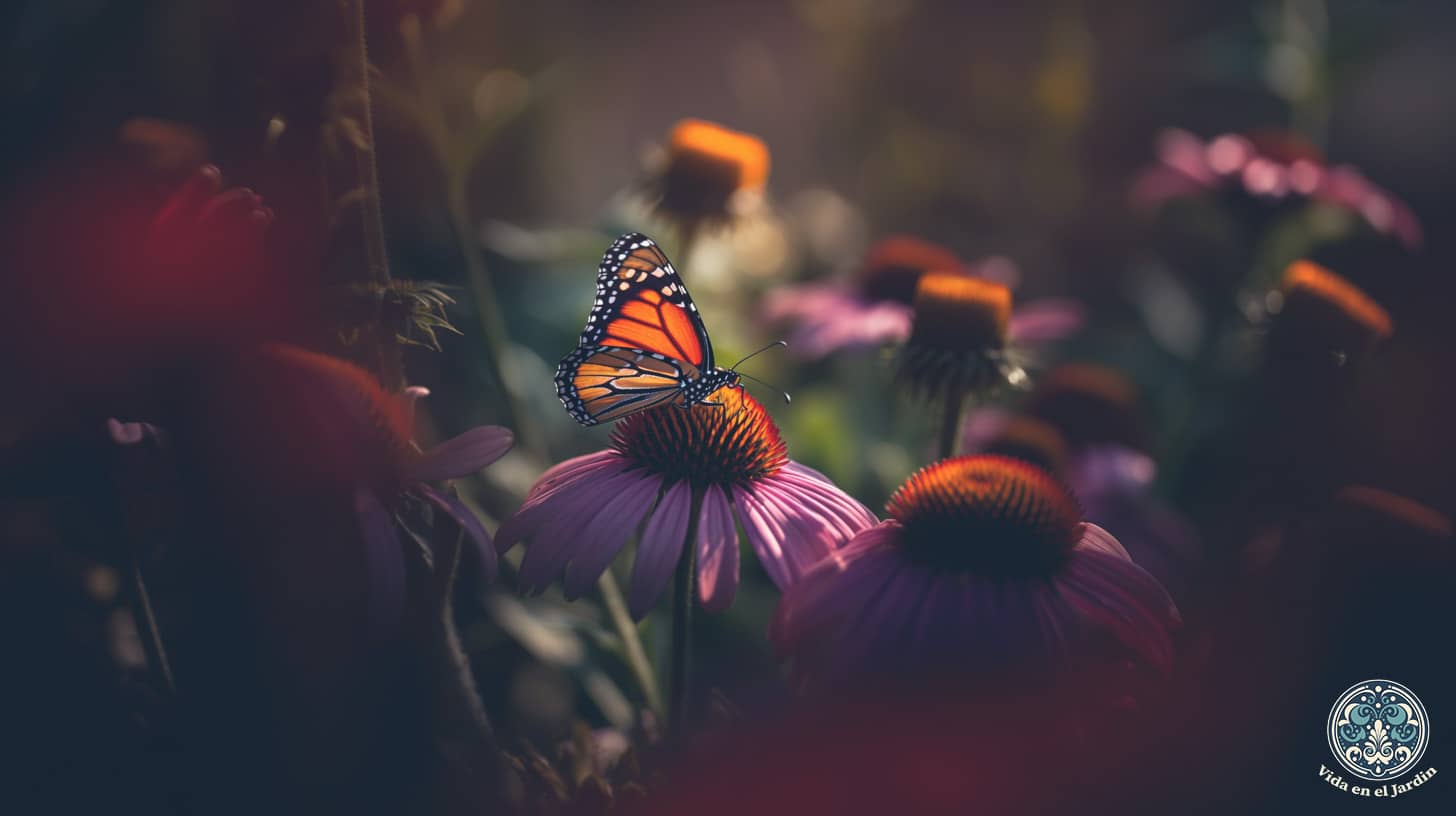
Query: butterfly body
point(644, 344)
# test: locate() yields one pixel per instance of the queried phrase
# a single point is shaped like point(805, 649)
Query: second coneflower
point(710, 174)
point(1324, 315)
point(985, 565)
point(958, 345)
point(875, 308)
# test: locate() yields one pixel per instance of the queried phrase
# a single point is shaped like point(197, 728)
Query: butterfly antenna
point(774, 344)
point(785, 394)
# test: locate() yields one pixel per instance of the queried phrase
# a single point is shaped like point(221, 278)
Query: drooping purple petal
point(875, 641)
point(383, 561)
point(808, 536)
point(470, 523)
point(1124, 599)
point(717, 552)
point(1046, 320)
point(131, 433)
point(541, 504)
point(1096, 539)
point(1106, 469)
point(564, 472)
point(464, 455)
point(659, 549)
point(555, 542)
point(815, 489)
point(766, 535)
point(981, 427)
point(832, 590)
point(608, 533)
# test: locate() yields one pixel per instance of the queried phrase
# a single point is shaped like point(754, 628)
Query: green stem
point(683, 598)
point(376, 254)
point(482, 288)
point(631, 637)
point(950, 429)
point(151, 635)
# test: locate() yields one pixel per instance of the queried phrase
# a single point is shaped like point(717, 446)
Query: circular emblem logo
point(1378, 729)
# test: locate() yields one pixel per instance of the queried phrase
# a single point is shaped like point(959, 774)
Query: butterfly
point(644, 344)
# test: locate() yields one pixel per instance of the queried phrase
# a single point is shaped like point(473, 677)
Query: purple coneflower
point(710, 174)
point(877, 308)
point(674, 476)
point(1269, 166)
point(1322, 314)
point(335, 423)
point(984, 565)
point(1082, 424)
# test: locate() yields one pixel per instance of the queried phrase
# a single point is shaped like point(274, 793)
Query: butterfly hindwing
point(643, 339)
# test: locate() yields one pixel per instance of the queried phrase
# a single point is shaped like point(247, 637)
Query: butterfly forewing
point(643, 339)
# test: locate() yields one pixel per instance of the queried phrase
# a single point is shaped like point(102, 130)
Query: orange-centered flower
point(1031, 440)
point(1090, 404)
point(727, 444)
point(708, 165)
point(1327, 310)
point(893, 267)
point(991, 515)
point(958, 338)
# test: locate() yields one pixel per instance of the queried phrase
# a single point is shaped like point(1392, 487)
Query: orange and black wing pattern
point(644, 343)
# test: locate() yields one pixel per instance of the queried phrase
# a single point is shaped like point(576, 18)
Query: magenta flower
point(985, 565)
point(681, 476)
point(1269, 167)
point(1081, 425)
point(877, 309)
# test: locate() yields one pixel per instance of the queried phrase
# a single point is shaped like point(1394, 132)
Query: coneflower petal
point(659, 549)
point(563, 472)
point(608, 533)
point(1046, 320)
point(717, 552)
point(540, 507)
point(766, 534)
point(808, 536)
point(555, 542)
point(463, 455)
point(831, 592)
point(384, 560)
point(468, 522)
point(1125, 599)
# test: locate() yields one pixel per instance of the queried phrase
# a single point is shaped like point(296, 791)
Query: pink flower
point(985, 565)
point(1269, 167)
point(1082, 424)
point(877, 309)
point(682, 477)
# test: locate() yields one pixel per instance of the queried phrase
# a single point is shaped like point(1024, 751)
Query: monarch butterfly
point(644, 344)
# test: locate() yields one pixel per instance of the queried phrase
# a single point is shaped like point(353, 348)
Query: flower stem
point(631, 641)
point(682, 621)
point(151, 635)
point(950, 428)
point(389, 356)
point(482, 288)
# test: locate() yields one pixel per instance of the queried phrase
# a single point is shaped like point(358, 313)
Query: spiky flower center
point(1090, 405)
point(347, 415)
point(988, 515)
point(707, 165)
point(894, 266)
point(958, 313)
point(1325, 308)
point(731, 443)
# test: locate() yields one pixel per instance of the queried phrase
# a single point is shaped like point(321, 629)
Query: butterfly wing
point(643, 338)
